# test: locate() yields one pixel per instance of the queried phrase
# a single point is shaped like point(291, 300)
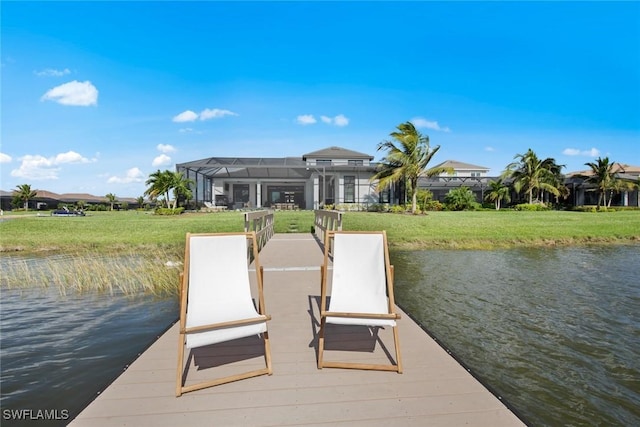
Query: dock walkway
point(434, 389)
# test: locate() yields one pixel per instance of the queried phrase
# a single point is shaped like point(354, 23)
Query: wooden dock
point(434, 389)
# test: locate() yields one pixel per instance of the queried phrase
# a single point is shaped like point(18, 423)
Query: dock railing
point(326, 221)
point(262, 223)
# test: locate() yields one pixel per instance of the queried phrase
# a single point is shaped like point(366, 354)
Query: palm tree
point(164, 182)
point(603, 176)
point(498, 191)
point(180, 186)
point(159, 184)
point(533, 174)
point(24, 193)
point(408, 155)
point(111, 198)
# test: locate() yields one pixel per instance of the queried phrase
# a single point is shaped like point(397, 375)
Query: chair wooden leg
point(180, 365)
point(321, 342)
point(397, 344)
point(267, 351)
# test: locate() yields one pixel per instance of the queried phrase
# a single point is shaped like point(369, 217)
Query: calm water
point(59, 352)
point(556, 332)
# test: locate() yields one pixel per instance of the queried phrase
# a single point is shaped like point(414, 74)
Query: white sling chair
point(216, 302)
point(361, 290)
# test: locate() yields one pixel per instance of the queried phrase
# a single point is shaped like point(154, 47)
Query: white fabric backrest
point(359, 282)
point(219, 287)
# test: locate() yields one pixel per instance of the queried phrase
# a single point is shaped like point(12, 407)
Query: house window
point(355, 162)
point(323, 162)
point(384, 195)
point(349, 189)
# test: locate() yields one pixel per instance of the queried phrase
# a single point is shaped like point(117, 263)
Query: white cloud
point(340, 120)
point(161, 160)
point(51, 72)
point(132, 175)
point(40, 167)
point(429, 124)
point(206, 114)
point(166, 148)
point(5, 158)
point(306, 119)
point(594, 152)
point(185, 116)
point(490, 149)
point(215, 113)
point(75, 93)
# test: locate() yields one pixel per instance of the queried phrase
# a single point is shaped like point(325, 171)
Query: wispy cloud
point(51, 72)
point(82, 94)
point(206, 114)
point(215, 113)
point(185, 116)
point(594, 152)
point(165, 148)
point(490, 149)
point(40, 167)
point(132, 175)
point(161, 160)
point(306, 119)
point(339, 120)
point(5, 158)
point(429, 124)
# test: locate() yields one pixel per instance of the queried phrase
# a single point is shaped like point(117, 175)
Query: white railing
point(262, 223)
point(326, 221)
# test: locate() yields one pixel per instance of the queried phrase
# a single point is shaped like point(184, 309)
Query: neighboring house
point(584, 193)
point(464, 174)
point(46, 200)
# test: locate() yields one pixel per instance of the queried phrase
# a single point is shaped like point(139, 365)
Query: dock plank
point(434, 389)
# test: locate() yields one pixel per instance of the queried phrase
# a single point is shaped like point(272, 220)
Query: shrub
point(433, 205)
point(397, 209)
point(460, 199)
point(167, 211)
point(378, 207)
point(531, 207)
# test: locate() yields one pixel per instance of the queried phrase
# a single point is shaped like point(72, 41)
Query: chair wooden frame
point(362, 317)
point(184, 330)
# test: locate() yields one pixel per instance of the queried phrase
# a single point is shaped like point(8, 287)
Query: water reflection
point(554, 331)
point(59, 352)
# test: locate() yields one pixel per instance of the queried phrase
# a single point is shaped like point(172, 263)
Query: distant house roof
point(620, 168)
point(336, 153)
point(461, 166)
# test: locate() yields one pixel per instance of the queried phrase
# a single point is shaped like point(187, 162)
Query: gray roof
point(336, 153)
point(461, 166)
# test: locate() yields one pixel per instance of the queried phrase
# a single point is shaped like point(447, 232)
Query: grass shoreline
point(77, 254)
point(112, 232)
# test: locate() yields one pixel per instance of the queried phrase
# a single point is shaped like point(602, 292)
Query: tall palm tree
point(24, 193)
point(602, 176)
point(498, 191)
point(532, 174)
point(408, 155)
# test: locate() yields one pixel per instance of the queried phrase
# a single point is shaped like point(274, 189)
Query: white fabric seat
point(216, 301)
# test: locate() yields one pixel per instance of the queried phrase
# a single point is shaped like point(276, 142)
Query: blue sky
point(97, 95)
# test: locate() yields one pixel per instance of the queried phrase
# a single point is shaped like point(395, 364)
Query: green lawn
point(105, 231)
